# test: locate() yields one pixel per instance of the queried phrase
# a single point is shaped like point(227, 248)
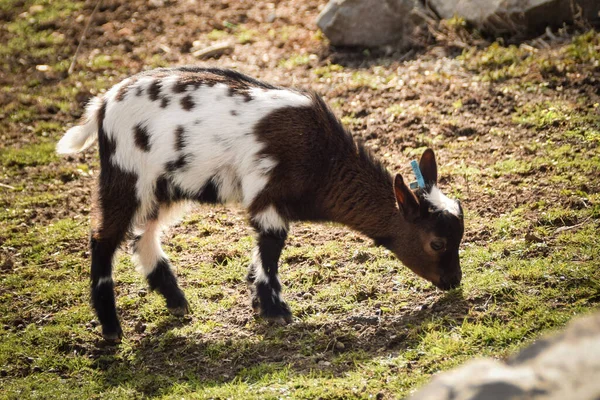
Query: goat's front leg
point(263, 279)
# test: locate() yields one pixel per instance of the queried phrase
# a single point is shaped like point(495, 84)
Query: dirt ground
point(491, 134)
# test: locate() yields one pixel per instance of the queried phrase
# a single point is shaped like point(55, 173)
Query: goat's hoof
point(279, 313)
point(180, 311)
point(281, 320)
point(113, 337)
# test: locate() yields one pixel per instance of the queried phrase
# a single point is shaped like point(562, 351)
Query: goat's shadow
point(161, 359)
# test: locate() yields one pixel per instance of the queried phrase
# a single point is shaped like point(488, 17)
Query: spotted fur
point(171, 136)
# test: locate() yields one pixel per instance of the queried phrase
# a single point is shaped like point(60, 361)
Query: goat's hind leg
point(107, 234)
point(154, 264)
point(103, 296)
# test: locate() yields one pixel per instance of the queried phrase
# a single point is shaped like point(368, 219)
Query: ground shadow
point(163, 359)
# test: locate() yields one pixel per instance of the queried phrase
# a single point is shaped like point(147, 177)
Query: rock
point(369, 23)
point(562, 366)
point(7, 264)
point(35, 9)
point(517, 16)
point(340, 346)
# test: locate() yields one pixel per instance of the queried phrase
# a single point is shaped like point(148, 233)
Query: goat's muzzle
point(449, 282)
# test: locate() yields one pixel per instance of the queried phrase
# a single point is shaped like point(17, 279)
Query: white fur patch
point(441, 202)
point(80, 137)
point(104, 279)
point(218, 137)
point(259, 272)
point(269, 219)
point(148, 250)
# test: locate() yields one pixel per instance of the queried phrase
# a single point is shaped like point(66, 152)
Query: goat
point(170, 136)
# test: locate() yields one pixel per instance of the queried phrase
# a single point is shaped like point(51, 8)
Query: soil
point(428, 81)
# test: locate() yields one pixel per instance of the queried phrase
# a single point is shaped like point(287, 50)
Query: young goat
point(169, 136)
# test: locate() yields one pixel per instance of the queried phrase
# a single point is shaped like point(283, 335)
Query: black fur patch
point(103, 296)
point(125, 88)
point(164, 102)
point(179, 138)
point(234, 113)
point(235, 90)
point(383, 241)
point(162, 280)
point(142, 138)
point(208, 194)
point(167, 193)
point(154, 90)
point(180, 163)
point(187, 103)
point(182, 84)
point(266, 294)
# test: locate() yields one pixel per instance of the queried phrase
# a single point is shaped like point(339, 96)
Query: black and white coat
point(171, 136)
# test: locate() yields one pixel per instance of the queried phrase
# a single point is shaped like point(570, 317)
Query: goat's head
point(432, 228)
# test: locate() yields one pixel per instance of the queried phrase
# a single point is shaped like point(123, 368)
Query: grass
point(295, 61)
point(366, 327)
point(498, 62)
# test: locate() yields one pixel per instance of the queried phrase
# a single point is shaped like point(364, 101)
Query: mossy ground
point(516, 131)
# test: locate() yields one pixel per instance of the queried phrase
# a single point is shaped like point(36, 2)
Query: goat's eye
point(438, 245)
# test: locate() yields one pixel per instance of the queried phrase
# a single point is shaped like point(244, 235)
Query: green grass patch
point(30, 155)
point(295, 61)
point(365, 326)
point(498, 62)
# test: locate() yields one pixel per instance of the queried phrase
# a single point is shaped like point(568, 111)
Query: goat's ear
point(428, 167)
point(407, 200)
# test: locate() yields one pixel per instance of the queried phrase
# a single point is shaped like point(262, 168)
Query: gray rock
point(563, 366)
point(369, 23)
point(517, 16)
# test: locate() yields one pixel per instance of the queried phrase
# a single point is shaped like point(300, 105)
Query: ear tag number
point(420, 182)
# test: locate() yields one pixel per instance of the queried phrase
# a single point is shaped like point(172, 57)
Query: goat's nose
point(447, 283)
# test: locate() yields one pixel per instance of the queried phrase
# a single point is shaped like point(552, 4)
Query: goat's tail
point(80, 137)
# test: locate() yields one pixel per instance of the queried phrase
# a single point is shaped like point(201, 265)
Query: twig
point(549, 33)
point(215, 50)
point(87, 26)
point(4, 185)
point(568, 228)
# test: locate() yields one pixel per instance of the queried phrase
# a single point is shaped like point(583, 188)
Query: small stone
point(125, 32)
point(7, 264)
point(36, 9)
point(532, 237)
point(140, 327)
point(340, 346)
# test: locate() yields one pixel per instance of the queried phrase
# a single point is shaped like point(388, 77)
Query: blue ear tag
point(420, 183)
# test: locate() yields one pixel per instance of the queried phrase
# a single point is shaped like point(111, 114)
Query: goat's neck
point(360, 194)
